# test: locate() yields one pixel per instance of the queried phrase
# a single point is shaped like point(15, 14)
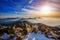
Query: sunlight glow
point(46, 9)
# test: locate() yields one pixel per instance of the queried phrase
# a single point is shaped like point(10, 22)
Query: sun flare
point(46, 9)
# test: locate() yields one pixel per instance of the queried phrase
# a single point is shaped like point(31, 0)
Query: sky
point(26, 8)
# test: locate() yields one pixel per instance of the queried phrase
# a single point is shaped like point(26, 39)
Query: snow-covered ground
point(31, 36)
point(36, 36)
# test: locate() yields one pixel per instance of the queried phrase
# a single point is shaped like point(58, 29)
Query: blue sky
point(17, 8)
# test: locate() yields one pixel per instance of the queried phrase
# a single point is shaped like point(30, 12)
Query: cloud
point(30, 1)
point(27, 10)
point(55, 4)
point(31, 12)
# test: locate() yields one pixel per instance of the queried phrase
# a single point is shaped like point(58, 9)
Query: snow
point(36, 36)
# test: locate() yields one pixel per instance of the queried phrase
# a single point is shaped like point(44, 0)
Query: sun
point(46, 9)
